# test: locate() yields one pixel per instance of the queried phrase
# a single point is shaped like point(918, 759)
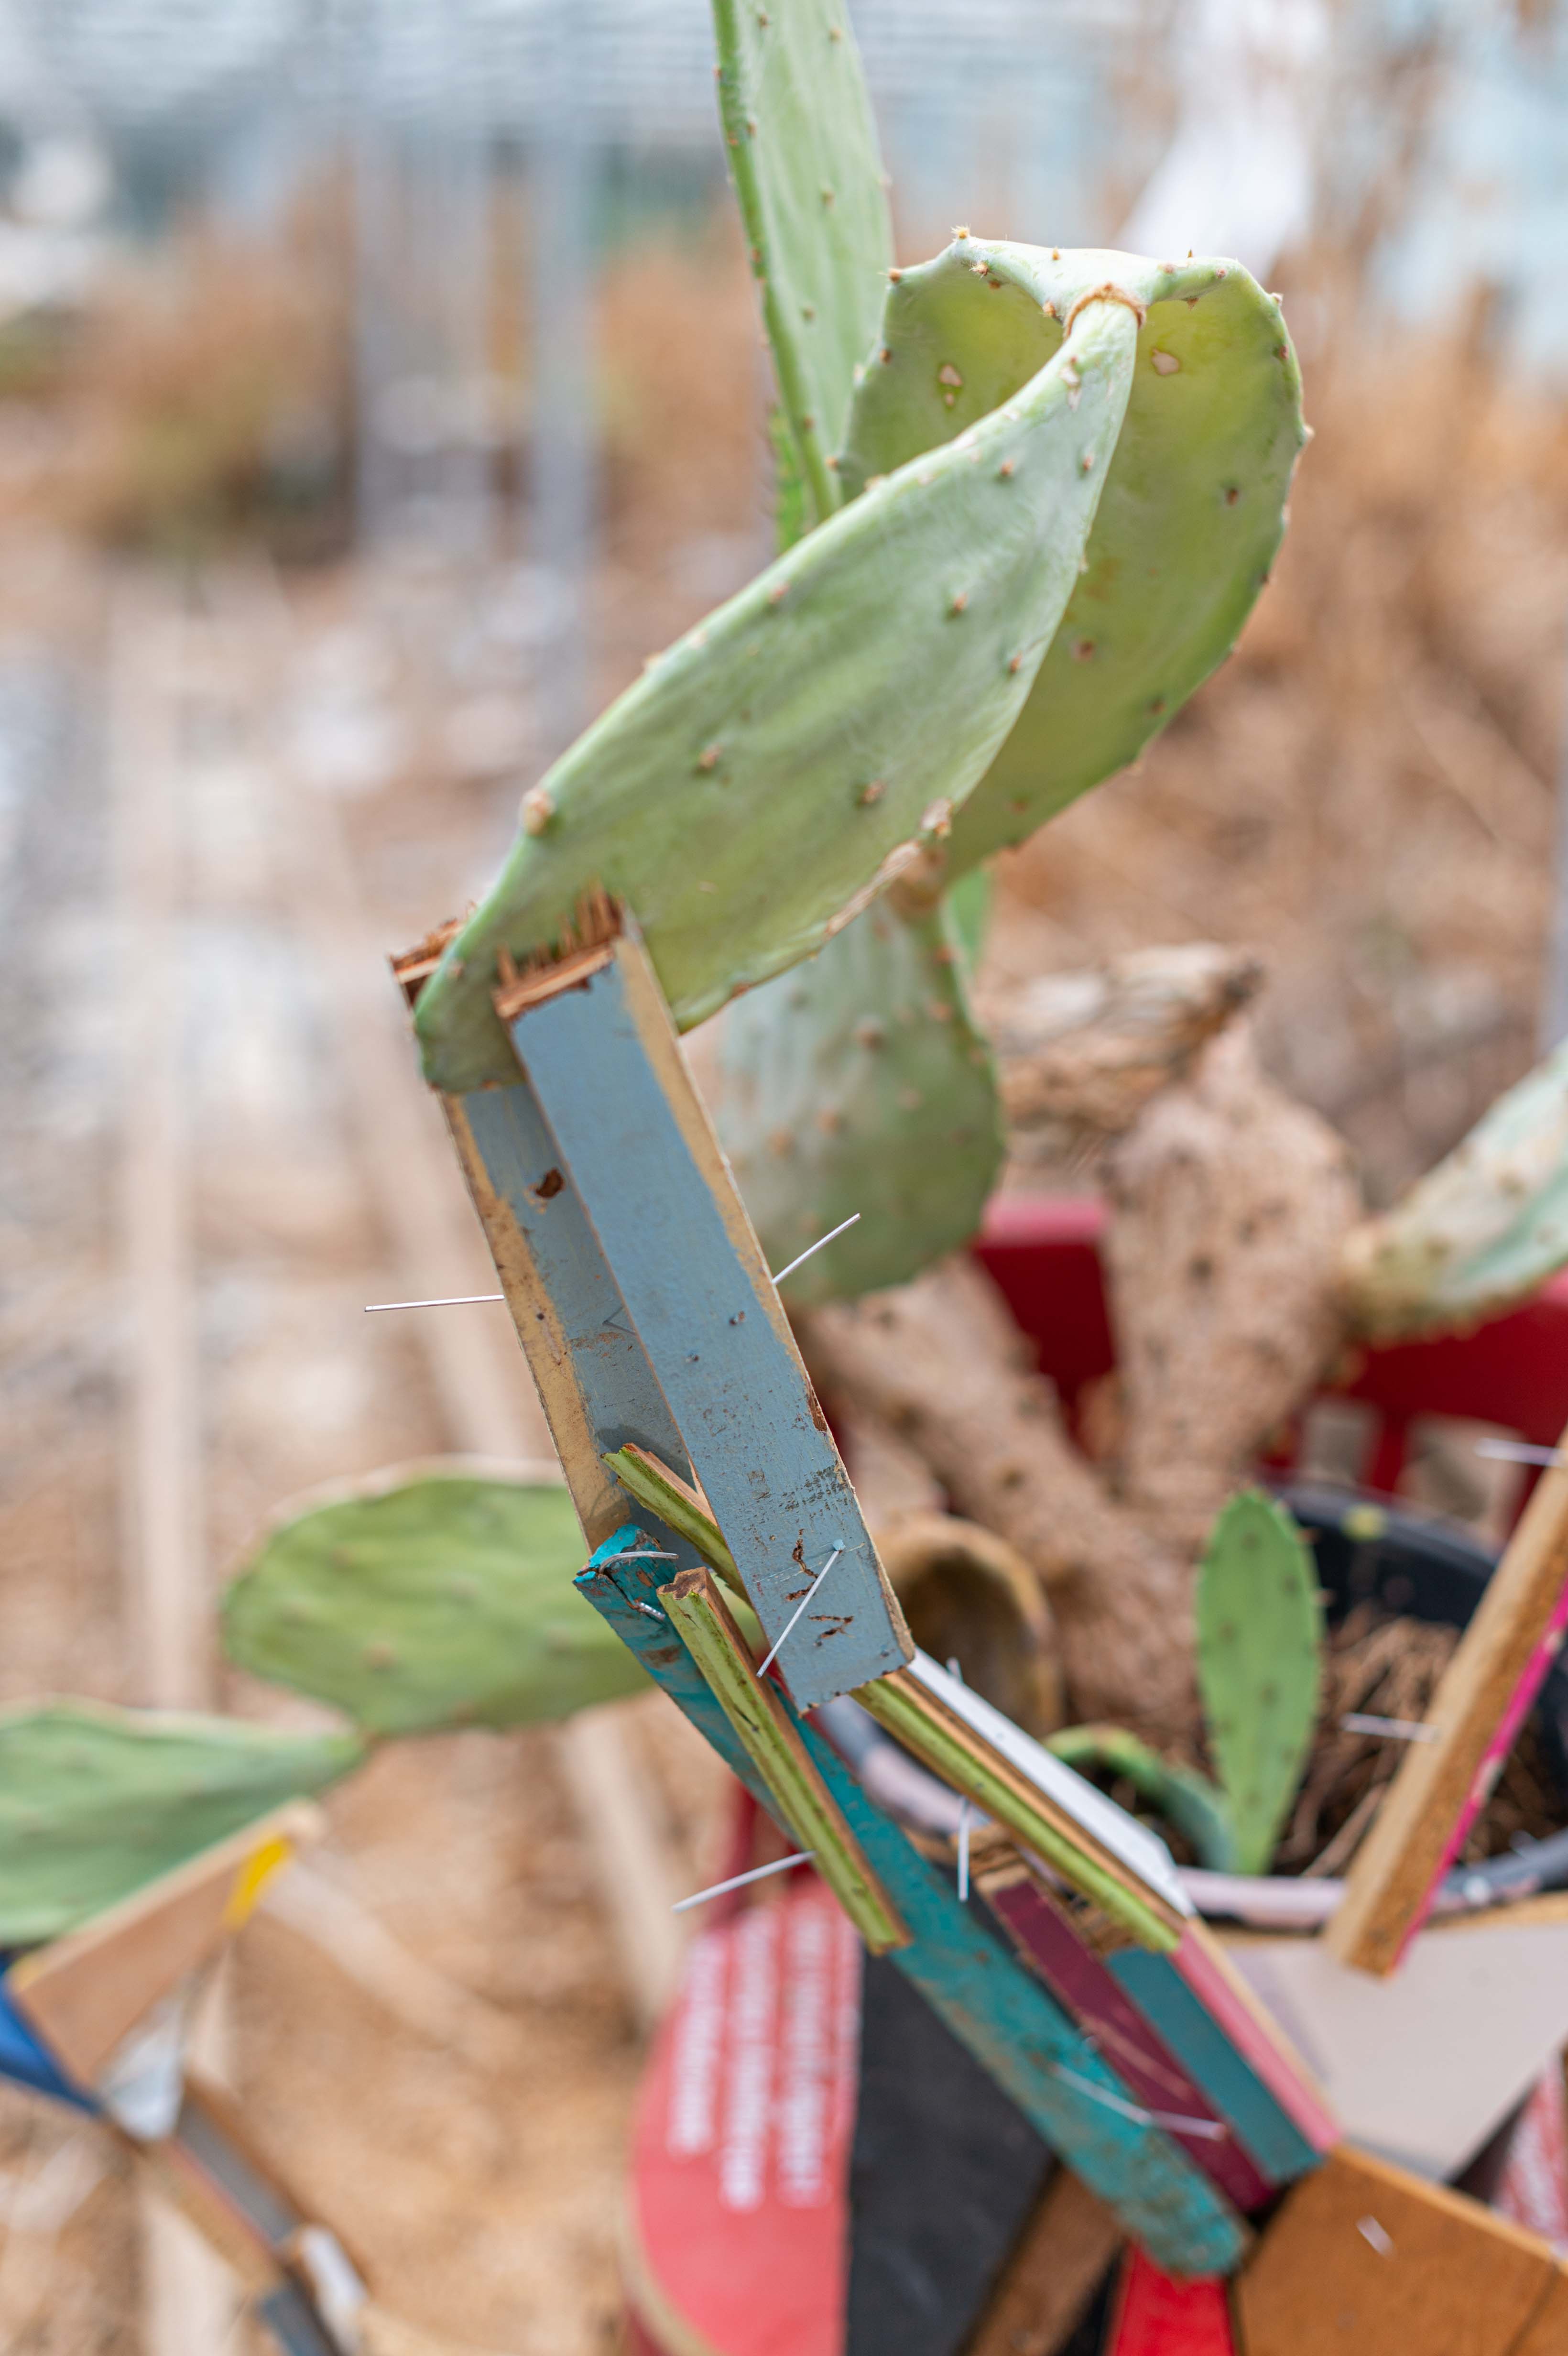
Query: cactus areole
point(1067, 474)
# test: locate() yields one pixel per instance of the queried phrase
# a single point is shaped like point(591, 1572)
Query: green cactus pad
point(803, 153)
point(858, 1082)
point(414, 1604)
point(1260, 1634)
point(802, 746)
point(95, 1802)
point(1193, 510)
point(1480, 1232)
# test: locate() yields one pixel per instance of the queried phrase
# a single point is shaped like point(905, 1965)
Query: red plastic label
point(741, 2151)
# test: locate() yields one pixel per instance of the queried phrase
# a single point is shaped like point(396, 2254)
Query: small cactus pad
point(802, 149)
point(811, 738)
point(95, 1802)
point(1260, 1633)
point(1193, 510)
point(438, 1600)
point(1480, 1232)
point(1189, 1804)
point(858, 1082)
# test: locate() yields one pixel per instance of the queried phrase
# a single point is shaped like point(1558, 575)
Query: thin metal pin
point(955, 1670)
point(1518, 1451)
point(464, 1300)
point(1403, 1730)
point(804, 1599)
point(644, 1554)
point(739, 1881)
point(454, 1301)
point(647, 1610)
point(816, 1246)
point(1210, 2131)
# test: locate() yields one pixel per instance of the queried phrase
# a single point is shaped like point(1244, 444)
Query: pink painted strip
point(1251, 2035)
point(1536, 1670)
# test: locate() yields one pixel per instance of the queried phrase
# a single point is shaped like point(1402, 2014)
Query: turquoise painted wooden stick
point(1004, 2017)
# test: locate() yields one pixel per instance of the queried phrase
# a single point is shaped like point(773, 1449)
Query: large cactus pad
point(438, 1600)
point(1480, 1232)
point(803, 154)
point(95, 1802)
point(795, 751)
point(859, 1082)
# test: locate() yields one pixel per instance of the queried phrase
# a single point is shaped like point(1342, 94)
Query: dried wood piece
point(942, 1362)
point(774, 1744)
point(1477, 1709)
point(1364, 2259)
point(1080, 1054)
point(1068, 2245)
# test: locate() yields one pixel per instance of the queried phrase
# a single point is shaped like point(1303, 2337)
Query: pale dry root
point(941, 1362)
point(1080, 1054)
point(1231, 1204)
point(1230, 1207)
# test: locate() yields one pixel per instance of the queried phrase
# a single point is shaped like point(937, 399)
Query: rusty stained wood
point(635, 1157)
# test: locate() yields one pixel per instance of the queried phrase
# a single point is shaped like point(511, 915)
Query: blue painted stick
point(1004, 2017)
point(600, 1052)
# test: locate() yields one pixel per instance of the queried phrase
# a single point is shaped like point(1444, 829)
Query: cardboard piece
point(1365, 2260)
point(1480, 1703)
point(83, 1995)
point(1159, 2315)
point(1425, 2068)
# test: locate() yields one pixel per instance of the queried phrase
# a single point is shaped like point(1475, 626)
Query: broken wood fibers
point(1067, 2246)
point(1477, 1710)
point(958, 1754)
point(1364, 2259)
point(773, 1745)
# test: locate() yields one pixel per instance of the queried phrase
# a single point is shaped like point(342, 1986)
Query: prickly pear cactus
point(1258, 1665)
point(811, 739)
point(803, 155)
point(417, 1603)
point(1479, 1233)
point(1189, 1804)
point(859, 1082)
point(95, 1801)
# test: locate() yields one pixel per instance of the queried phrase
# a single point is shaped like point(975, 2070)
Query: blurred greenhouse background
point(379, 388)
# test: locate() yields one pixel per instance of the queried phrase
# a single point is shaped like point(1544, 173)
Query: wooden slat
point(1546, 2333)
point(1053, 2274)
point(1365, 2260)
point(1044, 1935)
point(1480, 1703)
point(1003, 2015)
point(636, 1146)
point(773, 1743)
point(84, 1993)
point(1233, 2086)
point(915, 1716)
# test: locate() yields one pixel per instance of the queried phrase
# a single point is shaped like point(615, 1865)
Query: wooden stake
point(773, 1745)
point(1477, 1711)
point(1052, 2274)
